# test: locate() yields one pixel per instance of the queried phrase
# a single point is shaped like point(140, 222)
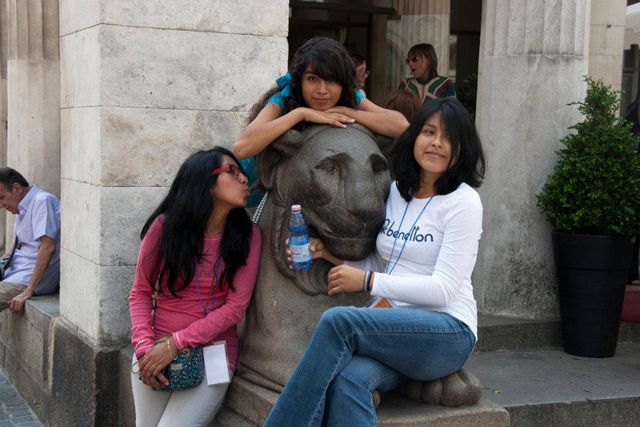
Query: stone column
point(533, 55)
point(31, 101)
point(4, 45)
point(606, 41)
point(33, 91)
point(143, 84)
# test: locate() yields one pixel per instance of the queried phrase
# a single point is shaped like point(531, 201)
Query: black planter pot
point(592, 273)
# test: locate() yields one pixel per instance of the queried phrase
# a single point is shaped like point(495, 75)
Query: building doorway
point(384, 30)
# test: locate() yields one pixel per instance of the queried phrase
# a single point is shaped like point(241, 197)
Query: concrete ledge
point(510, 333)
point(500, 333)
point(254, 403)
point(64, 377)
point(26, 344)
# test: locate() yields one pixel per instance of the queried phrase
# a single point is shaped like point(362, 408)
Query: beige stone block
point(113, 303)
point(80, 69)
point(154, 68)
point(76, 15)
point(257, 17)
point(94, 298)
point(607, 68)
point(33, 121)
point(81, 220)
point(604, 12)
point(79, 292)
point(606, 40)
point(80, 131)
point(123, 212)
point(145, 147)
point(138, 146)
point(102, 224)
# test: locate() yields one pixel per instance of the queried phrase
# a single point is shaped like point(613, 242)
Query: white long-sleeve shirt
point(433, 271)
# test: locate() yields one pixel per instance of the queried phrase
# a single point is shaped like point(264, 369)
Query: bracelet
point(369, 281)
point(171, 353)
point(367, 276)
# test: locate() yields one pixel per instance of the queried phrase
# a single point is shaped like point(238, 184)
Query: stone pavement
point(14, 411)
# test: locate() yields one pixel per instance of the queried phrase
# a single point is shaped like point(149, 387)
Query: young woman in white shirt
point(425, 254)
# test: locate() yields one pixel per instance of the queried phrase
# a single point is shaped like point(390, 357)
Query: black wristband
point(365, 282)
point(369, 281)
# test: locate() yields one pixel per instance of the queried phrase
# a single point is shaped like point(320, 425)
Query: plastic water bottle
point(299, 240)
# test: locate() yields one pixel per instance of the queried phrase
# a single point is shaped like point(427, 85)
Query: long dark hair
point(185, 212)
point(467, 164)
point(329, 60)
point(426, 49)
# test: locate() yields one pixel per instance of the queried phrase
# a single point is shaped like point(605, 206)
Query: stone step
point(510, 342)
point(509, 333)
point(552, 388)
point(254, 403)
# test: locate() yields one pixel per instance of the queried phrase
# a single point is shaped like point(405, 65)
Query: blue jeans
point(354, 351)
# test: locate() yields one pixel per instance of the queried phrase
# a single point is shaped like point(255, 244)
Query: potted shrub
point(592, 200)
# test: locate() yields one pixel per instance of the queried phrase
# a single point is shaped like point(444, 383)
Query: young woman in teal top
point(319, 88)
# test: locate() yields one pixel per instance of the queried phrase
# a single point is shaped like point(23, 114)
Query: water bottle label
point(300, 253)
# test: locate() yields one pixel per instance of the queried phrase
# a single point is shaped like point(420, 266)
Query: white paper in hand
point(215, 364)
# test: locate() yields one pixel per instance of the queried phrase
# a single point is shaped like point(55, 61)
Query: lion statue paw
point(457, 389)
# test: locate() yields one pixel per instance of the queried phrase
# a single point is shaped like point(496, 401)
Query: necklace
point(390, 267)
point(203, 303)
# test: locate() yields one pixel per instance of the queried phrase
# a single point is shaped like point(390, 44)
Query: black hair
point(329, 60)
point(426, 49)
point(9, 176)
point(358, 59)
point(467, 159)
point(185, 210)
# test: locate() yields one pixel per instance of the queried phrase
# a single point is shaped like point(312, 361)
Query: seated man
point(34, 266)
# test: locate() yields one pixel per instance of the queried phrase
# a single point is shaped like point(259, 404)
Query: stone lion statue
point(341, 179)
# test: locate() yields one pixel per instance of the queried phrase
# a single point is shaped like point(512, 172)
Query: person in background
point(201, 250)
point(425, 81)
point(403, 101)
point(361, 72)
point(34, 263)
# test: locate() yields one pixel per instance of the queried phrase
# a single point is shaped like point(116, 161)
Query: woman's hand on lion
point(344, 278)
point(336, 119)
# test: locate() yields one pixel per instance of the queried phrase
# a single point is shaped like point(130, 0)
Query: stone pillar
point(606, 41)
point(4, 45)
point(533, 55)
point(143, 84)
point(31, 93)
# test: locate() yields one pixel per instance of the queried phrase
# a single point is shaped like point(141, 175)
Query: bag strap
point(154, 305)
point(13, 251)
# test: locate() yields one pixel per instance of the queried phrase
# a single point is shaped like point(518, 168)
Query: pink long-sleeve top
point(184, 317)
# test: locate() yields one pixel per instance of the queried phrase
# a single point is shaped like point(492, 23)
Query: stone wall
point(143, 84)
point(606, 40)
point(30, 93)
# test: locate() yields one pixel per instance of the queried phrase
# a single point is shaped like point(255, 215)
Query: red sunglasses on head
point(230, 168)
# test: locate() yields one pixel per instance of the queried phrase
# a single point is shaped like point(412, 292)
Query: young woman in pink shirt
point(201, 248)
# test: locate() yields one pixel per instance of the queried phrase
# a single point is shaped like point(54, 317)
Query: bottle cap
point(296, 208)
